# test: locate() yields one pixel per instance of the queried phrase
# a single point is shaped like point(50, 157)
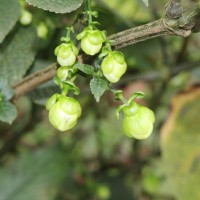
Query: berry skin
point(138, 121)
point(64, 113)
point(62, 73)
point(114, 66)
point(26, 18)
point(66, 54)
point(91, 41)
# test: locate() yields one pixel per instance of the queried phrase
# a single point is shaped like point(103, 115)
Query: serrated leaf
point(146, 2)
point(61, 6)
point(34, 175)
point(18, 55)
point(5, 90)
point(98, 86)
point(9, 14)
point(8, 112)
point(87, 69)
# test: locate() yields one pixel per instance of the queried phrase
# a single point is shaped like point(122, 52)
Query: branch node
point(172, 26)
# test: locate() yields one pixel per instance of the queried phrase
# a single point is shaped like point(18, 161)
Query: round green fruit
point(62, 73)
point(138, 121)
point(26, 18)
point(114, 66)
point(64, 113)
point(66, 54)
point(91, 41)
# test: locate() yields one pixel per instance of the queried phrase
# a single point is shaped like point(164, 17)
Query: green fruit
point(62, 73)
point(91, 41)
point(138, 121)
point(66, 54)
point(64, 113)
point(42, 30)
point(114, 66)
point(26, 18)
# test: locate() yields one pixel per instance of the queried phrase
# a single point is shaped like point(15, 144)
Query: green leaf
point(8, 112)
point(34, 175)
point(5, 90)
point(9, 14)
point(18, 55)
point(71, 86)
point(87, 69)
point(98, 86)
point(61, 6)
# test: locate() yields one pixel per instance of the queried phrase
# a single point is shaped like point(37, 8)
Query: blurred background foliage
point(95, 160)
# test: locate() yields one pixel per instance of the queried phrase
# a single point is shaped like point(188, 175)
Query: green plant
point(91, 158)
point(138, 120)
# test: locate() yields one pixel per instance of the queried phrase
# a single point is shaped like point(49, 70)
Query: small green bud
point(26, 18)
point(64, 113)
point(62, 73)
point(138, 121)
point(91, 41)
point(66, 54)
point(42, 30)
point(114, 66)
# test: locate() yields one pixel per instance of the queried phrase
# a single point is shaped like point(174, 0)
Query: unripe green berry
point(91, 41)
point(138, 121)
point(26, 18)
point(64, 113)
point(62, 73)
point(114, 66)
point(66, 54)
point(42, 30)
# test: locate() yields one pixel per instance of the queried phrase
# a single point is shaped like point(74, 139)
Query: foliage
point(63, 6)
point(95, 160)
point(9, 14)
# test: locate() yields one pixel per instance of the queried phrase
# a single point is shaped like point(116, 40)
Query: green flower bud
point(64, 113)
point(62, 73)
point(114, 66)
point(138, 121)
point(66, 54)
point(26, 18)
point(42, 30)
point(91, 41)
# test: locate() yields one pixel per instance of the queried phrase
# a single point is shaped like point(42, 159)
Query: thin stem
point(88, 3)
point(108, 46)
point(119, 95)
point(64, 91)
point(68, 33)
point(89, 11)
point(124, 100)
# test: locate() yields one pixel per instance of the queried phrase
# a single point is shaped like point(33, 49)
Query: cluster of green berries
point(64, 111)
